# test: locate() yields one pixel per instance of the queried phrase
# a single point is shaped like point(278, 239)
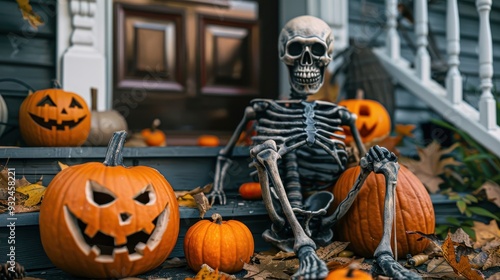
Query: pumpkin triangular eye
point(99, 194)
point(146, 196)
point(46, 100)
point(75, 103)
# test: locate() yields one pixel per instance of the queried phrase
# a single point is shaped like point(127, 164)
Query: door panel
point(195, 65)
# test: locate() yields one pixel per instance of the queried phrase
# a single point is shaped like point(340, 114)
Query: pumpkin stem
point(114, 156)
point(56, 84)
point(360, 94)
point(93, 99)
point(156, 123)
point(217, 218)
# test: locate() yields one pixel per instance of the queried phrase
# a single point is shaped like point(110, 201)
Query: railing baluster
point(392, 39)
point(422, 58)
point(453, 78)
point(487, 108)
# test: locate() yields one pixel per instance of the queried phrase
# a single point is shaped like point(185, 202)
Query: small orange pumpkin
point(105, 220)
point(348, 273)
point(373, 120)
point(54, 118)
point(222, 245)
point(250, 190)
point(362, 226)
point(206, 140)
point(154, 136)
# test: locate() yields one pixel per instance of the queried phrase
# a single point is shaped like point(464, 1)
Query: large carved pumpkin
point(54, 118)
point(105, 220)
point(362, 226)
point(373, 120)
point(224, 245)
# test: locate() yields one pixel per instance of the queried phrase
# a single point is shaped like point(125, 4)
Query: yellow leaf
point(28, 14)
point(34, 192)
point(186, 200)
point(208, 273)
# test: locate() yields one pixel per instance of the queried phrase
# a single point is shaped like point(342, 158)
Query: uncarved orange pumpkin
point(222, 245)
point(373, 120)
point(362, 226)
point(250, 190)
point(105, 220)
point(54, 118)
point(348, 273)
point(207, 140)
point(153, 136)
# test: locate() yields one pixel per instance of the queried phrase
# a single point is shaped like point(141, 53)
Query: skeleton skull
point(306, 46)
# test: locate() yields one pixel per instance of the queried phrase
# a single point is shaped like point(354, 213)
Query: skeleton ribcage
point(310, 133)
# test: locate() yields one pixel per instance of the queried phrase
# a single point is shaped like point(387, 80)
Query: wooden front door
point(195, 65)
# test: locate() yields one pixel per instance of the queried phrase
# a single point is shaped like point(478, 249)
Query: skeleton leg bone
point(310, 266)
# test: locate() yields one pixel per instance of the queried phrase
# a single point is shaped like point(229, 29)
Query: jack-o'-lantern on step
point(54, 118)
point(105, 220)
point(373, 120)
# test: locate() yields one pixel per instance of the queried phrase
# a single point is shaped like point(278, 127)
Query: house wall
point(26, 54)
point(367, 17)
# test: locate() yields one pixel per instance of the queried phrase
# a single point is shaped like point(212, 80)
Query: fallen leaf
point(493, 259)
point(405, 130)
point(462, 266)
point(22, 182)
point(430, 165)
point(331, 250)
point(174, 262)
point(208, 273)
point(485, 232)
point(277, 266)
point(34, 192)
point(28, 14)
point(495, 276)
point(492, 191)
point(62, 166)
point(195, 198)
point(461, 237)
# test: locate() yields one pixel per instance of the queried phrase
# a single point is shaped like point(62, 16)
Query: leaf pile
point(28, 196)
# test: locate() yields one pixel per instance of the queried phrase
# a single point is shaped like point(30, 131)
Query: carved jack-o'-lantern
point(373, 120)
point(54, 117)
point(105, 220)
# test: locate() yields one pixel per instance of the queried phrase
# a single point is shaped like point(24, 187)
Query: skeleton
point(299, 149)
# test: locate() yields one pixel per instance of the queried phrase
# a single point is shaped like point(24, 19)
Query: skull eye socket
point(295, 48)
point(146, 196)
point(318, 49)
point(46, 100)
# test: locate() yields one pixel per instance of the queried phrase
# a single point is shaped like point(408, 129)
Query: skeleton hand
point(380, 160)
point(217, 192)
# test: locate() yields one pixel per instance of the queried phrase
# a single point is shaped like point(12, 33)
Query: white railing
point(448, 101)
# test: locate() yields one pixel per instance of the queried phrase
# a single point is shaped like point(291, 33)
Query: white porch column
point(81, 56)
point(453, 77)
point(422, 58)
point(392, 41)
point(487, 106)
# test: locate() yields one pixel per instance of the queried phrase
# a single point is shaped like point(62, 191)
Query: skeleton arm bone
point(351, 118)
point(224, 161)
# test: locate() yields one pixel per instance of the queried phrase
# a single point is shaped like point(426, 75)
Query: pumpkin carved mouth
point(53, 123)
point(104, 246)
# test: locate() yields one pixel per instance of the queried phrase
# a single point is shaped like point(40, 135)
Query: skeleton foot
point(395, 270)
point(310, 265)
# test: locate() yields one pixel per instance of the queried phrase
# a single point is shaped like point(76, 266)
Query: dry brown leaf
point(28, 14)
point(461, 237)
point(405, 130)
point(485, 233)
point(462, 267)
point(22, 182)
point(331, 250)
point(208, 273)
point(195, 198)
point(492, 191)
point(268, 265)
point(493, 259)
point(62, 166)
point(430, 165)
point(34, 192)
point(439, 265)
